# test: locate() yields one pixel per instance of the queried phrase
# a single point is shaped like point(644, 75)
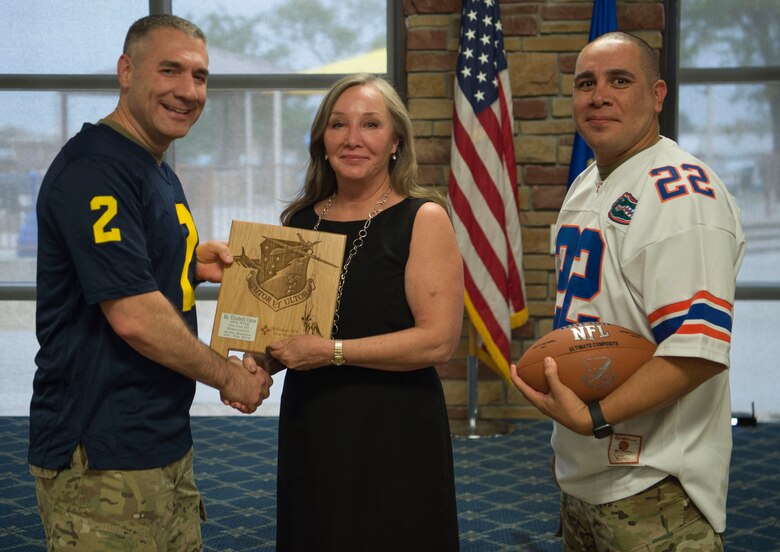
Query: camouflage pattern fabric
point(140, 510)
point(659, 519)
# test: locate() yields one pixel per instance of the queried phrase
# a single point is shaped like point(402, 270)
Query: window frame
point(396, 70)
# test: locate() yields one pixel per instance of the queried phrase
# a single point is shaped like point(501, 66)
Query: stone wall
point(542, 39)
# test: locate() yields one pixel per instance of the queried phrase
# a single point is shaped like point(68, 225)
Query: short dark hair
point(145, 25)
point(648, 56)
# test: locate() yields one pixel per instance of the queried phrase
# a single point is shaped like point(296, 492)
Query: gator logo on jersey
point(623, 209)
point(279, 278)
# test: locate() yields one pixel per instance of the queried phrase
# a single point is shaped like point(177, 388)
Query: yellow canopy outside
point(374, 61)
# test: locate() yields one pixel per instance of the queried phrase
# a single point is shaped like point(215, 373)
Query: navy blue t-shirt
point(112, 223)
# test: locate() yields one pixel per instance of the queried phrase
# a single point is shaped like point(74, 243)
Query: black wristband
point(601, 428)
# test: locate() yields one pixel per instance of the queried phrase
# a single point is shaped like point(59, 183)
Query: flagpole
point(473, 427)
point(471, 378)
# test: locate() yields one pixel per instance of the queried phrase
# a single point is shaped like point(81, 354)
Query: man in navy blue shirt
point(118, 261)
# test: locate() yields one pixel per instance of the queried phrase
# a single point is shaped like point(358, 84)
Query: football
point(593, 358)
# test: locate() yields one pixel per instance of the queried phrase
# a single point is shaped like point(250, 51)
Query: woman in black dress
point(365, 457)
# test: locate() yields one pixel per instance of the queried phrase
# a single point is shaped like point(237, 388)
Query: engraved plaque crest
point(283, 282)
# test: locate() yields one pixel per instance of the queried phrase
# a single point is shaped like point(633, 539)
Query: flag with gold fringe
point(483, 184)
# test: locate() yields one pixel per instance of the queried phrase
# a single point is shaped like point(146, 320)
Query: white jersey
point(655, 248)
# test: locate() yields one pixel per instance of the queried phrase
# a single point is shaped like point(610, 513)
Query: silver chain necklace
point(378, 207)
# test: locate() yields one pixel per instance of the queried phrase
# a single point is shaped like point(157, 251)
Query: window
point(729, 111)
point(246, 156)
point(270, 62)
point(729, 116)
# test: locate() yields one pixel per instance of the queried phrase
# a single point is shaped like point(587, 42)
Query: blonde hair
point(320, 179)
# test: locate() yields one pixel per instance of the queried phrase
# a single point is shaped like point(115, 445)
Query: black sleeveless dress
point(365, 456)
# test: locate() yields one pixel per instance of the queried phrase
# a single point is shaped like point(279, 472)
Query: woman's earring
point(394, 157)
point(326, 157)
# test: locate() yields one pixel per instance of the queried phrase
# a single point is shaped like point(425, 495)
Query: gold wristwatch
point(338, 353)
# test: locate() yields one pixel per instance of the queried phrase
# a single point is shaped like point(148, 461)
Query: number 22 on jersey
point(581, 254)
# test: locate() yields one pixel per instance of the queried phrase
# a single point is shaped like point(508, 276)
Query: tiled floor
point(506, 500)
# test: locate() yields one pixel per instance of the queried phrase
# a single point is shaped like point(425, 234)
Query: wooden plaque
point(283, 282)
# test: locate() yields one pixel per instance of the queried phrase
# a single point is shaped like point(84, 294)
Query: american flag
point(483, 183)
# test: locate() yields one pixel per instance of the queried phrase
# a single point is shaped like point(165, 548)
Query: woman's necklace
point(378, 207)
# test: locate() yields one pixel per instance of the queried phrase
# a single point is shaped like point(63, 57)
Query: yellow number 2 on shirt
point(185, 218)
point(99, 228)
point(102, 235)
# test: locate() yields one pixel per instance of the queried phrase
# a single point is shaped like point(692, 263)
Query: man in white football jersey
point(648, 238)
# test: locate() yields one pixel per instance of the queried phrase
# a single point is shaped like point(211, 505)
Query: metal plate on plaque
point(283, 282)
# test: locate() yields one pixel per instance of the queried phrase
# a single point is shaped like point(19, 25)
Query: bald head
point(648, 57)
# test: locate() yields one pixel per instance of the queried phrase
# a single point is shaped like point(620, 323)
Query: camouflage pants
point(659, 519)
point(140, 510)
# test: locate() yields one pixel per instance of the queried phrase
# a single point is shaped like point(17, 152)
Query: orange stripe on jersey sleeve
point(693, 329)
point(669, 309)
point(685, 305)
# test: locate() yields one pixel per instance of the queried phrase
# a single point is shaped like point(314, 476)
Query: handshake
point(249, 382)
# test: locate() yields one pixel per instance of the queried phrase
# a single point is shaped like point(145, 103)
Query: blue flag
point(604, 20)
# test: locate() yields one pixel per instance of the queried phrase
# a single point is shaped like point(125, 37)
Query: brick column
point(542, 40)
